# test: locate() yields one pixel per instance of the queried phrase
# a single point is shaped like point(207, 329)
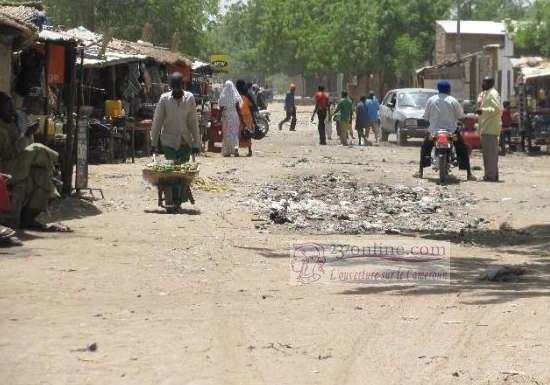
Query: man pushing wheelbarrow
point(175, 123)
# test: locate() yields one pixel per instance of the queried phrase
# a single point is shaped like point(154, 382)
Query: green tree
point(533, 35)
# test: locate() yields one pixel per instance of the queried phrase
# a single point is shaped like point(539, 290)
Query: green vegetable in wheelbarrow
point(164, 167)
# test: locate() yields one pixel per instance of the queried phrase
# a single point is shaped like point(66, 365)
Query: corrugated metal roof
point(111, 58)
point(50, 35)
point(473, 27)
point(197, 64)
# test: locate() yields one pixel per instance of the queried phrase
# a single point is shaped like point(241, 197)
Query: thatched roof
point(122, 50)
point(18, 19)
point(158, 54)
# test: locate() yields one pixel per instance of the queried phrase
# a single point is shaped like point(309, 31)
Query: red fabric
point(56, 64)
point(322, 100)
point(4, 197)
point(507, 118)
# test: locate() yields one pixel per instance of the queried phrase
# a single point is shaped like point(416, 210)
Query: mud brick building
point(486, 51)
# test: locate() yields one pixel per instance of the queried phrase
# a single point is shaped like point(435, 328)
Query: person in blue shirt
point(361, 119)
point(372, 113)
point(290, 109)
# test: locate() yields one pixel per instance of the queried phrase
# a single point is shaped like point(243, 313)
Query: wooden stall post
point(69, 144)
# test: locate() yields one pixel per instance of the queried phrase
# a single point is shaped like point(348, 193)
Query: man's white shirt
point(443, 112)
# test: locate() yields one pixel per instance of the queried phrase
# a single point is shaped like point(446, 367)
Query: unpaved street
point(204, 297)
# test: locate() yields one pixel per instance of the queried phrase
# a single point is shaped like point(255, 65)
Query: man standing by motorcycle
point(443, 113)
point(490, 124)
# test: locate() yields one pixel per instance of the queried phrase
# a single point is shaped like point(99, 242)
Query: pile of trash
point(331, 204)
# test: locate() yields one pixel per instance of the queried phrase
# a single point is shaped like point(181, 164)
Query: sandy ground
point(204, 297)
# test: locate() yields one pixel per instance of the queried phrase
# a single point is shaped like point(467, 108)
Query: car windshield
point(414, 99)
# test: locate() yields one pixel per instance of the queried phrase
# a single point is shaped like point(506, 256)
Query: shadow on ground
point(70, 208)
point(532, 242)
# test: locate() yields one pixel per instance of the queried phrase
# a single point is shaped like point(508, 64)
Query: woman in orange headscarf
point(247, 112)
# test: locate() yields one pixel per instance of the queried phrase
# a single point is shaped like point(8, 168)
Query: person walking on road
point(345, 108)
point(361, 119)
point(230, 101)
point(247, 113)
point(321, 109)
point(490, 125)
point(290, 109)
point(372, 112)
point(175, 124)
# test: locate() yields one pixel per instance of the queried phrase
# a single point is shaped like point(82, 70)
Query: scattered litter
point(512, 372)
point(503, 273)
point(90, 348)
point(283, 348)
point(339, 204)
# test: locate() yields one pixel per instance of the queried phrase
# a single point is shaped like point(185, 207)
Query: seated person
point(443, 113)
point(7, 235)
point(30, 166)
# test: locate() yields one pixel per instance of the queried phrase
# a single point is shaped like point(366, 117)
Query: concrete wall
point(445, 44)
point(495, 62)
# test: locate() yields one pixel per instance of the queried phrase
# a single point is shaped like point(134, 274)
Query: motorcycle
point(444, 154)
point(263, 117)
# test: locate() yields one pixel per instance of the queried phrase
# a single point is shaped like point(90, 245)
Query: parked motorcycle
point(444, 154)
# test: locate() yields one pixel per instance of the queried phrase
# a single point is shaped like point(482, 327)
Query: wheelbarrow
point(165, 181)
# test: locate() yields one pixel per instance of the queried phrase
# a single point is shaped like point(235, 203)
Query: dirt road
point(204, 297)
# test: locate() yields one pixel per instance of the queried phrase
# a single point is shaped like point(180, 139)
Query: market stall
point(533, 89)
point(41, 78)
point(122, 82)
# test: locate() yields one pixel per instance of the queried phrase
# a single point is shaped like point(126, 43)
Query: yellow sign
point(220, 63)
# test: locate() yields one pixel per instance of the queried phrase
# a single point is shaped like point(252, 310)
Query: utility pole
point(458, 37)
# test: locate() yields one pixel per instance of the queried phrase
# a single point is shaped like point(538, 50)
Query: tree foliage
point(126, 18)
point(388, 37)
point(533, 35)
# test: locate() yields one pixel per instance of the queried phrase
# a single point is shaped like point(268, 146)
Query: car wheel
point(401, 138)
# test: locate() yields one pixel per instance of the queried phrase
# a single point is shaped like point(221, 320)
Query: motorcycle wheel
point(263, 125)
point(443, 168)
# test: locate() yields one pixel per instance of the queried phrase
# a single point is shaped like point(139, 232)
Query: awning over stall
point(532, 67)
